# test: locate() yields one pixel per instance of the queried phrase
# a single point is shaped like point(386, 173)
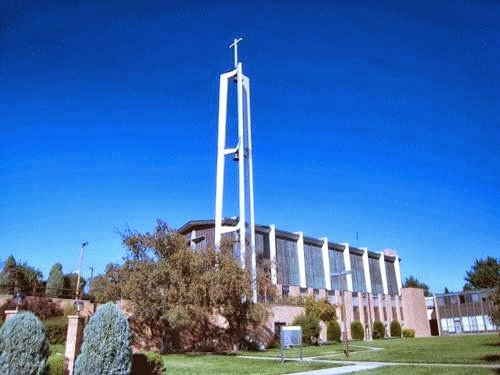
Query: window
point(375, 276)
point(358, 273)
point(336, 259)
point(392, 284)
point(315, 274)
point(288, 262)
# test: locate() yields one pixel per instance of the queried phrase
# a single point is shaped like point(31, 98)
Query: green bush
point(333, 332)
point(56, 329)
point(24, 348)
point(310, 328)
point(357, 330)
point(408, 332)
point(378, 331)
point(106, 347)
point(395, 329)
point(147, 364)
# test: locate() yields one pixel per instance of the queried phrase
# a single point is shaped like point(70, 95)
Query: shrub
point(106, 347)
point(395, 329)
point(24, 348)
point(408, 332)
point(333, 332)
point(378, 330)
point(321, 308)
point(310, 328)
point(56, 329)
point(69, 309)
point(147, 364)
point(43, 308)
point(357, 330)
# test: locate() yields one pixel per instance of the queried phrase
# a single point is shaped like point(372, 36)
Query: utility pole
point(80, 270)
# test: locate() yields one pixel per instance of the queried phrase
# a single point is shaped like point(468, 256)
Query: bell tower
point(241, 152)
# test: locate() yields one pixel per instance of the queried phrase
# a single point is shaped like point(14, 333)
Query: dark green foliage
point(484, 273)
point(43, 308)
point(357, 330)
point(408, 332)
point(147, 364)
point(24, 348)
point(70, 281)
point(19, 277)
point(310, 328)
point(333, 331)
point(56, 329)
point(378, 331)
point(106, 347)
point(395, 329)
point(412, 282)
point(55, 282)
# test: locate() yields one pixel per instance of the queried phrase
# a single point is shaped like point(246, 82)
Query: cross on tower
point(235, 45)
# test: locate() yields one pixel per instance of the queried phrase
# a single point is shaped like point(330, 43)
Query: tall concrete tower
point(242, 153)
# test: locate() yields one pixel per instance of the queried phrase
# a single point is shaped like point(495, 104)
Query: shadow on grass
point(491, 357)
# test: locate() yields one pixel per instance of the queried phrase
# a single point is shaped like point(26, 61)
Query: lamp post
point(346, 337)
point(80, 269)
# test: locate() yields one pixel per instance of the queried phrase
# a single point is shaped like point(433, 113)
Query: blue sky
point(373, 117)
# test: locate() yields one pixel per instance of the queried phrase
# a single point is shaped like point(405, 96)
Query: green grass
point(56, 359)
point(483, 349)
point(180, 364)
point(426, 370)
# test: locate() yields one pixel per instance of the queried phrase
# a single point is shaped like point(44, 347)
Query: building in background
point(301, 265)
point(462, 312)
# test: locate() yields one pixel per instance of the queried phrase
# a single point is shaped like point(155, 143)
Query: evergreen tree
point(412, 282)
point(8, 275)
point(55, 282)
point(24, 347)
point(484, 273)
point(106, 347)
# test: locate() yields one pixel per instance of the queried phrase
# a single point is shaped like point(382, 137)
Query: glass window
point(315, 273)
point(288, 262)
point(336, 259)
point(392, 284)
point(375, 276)
point(358, 273)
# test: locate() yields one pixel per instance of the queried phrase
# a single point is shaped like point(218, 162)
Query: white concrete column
point(366, 269)
point(381, 261)
point(347, 264)
point(302, 260)
point(326, 264)
point(272, 253)
point(74, 338)
point(191, 242)
point(398, 274)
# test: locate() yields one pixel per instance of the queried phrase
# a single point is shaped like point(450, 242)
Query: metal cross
point(235, 45)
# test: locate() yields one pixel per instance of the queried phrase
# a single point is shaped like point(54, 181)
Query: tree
point(109, 286)
point(484, 273)
point(495, 314)
point(446, 290)
point(323, 309)
point(19, 277)
point(55, 282)
point(412, 282)
point(106, 347)
point(70, 281)
point(24, 347)
point(175, 291)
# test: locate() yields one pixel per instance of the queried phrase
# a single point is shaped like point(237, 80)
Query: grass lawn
point(483, 349)
point(180, 364)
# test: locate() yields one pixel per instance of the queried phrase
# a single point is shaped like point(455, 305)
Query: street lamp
point(346, 337)
point(80, 269)
point(19, 299)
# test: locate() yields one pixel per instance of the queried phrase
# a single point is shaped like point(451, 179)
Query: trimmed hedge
point(57, 329)
point(408, 332)
point(357, 330)
point(378, 330)
point(395, 329)
point(333, 331)
point(147, 364)
point(24, 348)
point(310, 328)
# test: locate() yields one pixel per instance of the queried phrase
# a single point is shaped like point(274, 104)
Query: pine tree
point(24, 347)
point(55, 282)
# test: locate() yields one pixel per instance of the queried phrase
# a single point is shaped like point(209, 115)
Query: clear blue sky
point(372, 117)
